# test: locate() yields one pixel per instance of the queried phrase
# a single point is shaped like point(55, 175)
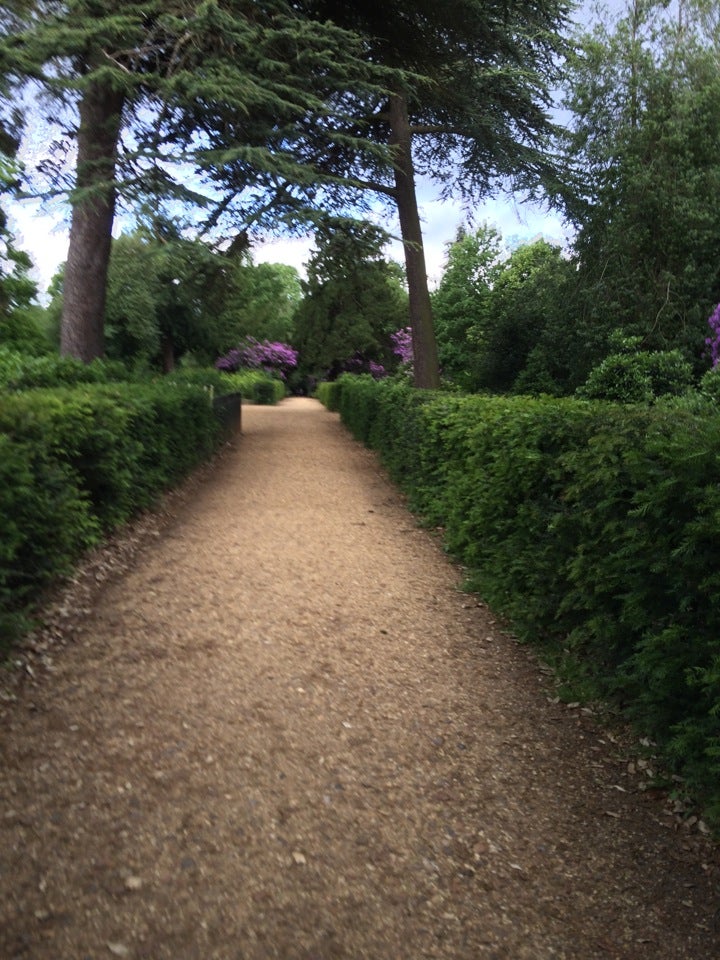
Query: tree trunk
point(167, 350)
point(93, 210)
point(427, 372)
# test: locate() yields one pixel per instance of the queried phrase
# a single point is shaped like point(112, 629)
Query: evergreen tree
point(461, 302)
point(353, 301)
point(261, 301)
point(219, 86)
point(530, 290)
point(468, 111)
point(169, 297)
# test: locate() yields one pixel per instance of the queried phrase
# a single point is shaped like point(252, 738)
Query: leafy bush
point(78, 461)
point(45, 524)
point(22, 372)
point(328, 393)
point(264, 392)
point(208, 378)
point(638, 377)
point(591, 526)
point(710, 385)
point(245, 382)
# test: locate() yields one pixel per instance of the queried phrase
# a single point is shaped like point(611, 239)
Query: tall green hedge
point(76, 462)
point(594, 527)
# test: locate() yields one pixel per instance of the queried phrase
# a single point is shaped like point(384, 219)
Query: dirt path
point(284, 733)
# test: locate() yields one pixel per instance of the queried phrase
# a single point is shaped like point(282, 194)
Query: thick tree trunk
point(427, 372)
point(93, 210)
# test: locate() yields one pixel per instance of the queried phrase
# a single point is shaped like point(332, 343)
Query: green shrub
point(592, 527)
point(245, 382)
point(328, 393)
point(78, 461)
point(208, 378)
point(45, 524)
point(23, 372)
point(265, 392)
point(710, 385)
point(639, 377)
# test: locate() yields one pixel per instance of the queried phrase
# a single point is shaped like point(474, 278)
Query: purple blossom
point(714, 341)
point(402, 345)
point(358, 364)
point(273, 357)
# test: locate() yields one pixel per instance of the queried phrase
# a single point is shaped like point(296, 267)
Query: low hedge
point(593, 527)
point(255, 386)
point(328, 393)
point(76, 462)
point(19, 371)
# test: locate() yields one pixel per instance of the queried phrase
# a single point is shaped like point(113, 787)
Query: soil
point(265, 722)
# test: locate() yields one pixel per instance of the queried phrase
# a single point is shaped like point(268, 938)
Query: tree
point(469, 111)
point(20, 315)
point(530, 289)
point(502, 319)
point(645, 95)
point(352, 302)
point(261, 301)
point(21, 318)
point(167, 297)
point(460, 304)
point(218, 86)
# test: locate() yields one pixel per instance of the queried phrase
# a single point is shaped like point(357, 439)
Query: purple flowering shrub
point(402, 345)
point(277, 359)
point(358, 364)
point(402, 348)
point(713, 341)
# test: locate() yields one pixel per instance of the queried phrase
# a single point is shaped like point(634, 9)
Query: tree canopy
point(475, 114)
point(198, 102)
point(644, 92)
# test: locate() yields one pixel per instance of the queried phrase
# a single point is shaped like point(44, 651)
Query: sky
point(42, 232)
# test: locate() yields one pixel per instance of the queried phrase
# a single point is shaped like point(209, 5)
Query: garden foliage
point(593, 527)
point(76, 462)
point(22, 371)
point(257, 386)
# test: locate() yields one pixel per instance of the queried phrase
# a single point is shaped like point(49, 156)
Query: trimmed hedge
point(593, 527)
point(19, 371)
point(76, 462)
point(255, 386)
point(328, 393)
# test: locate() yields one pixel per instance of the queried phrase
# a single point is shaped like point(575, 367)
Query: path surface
point(284, 732)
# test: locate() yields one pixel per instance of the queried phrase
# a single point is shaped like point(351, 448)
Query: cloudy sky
point(42, 232)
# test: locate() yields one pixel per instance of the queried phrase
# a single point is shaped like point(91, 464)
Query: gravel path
point(283, 732)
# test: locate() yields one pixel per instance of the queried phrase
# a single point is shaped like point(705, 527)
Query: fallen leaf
point(118, 949)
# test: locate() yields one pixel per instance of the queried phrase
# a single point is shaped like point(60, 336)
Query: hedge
point(593, 527)
point(19, 371)
point(255, 385)
point(77, 462)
